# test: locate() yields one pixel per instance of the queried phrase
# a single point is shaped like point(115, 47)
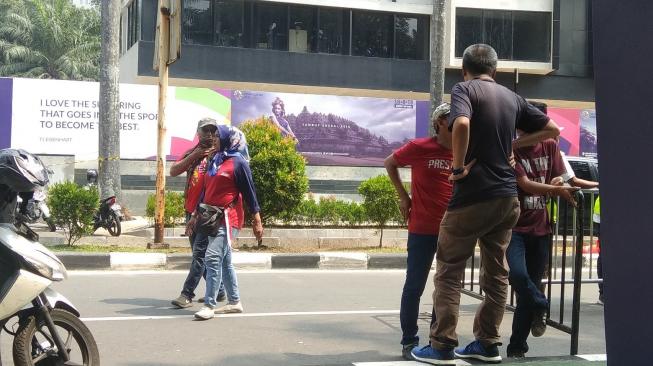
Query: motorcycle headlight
point(45, 265)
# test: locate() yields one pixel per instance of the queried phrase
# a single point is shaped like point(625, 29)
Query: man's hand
point(557, 181)
point(566, 192)
point(511, 160)
point(190, 226)
point(404, 206)
point(257, 227)
point(462, 175)
point(200, 153)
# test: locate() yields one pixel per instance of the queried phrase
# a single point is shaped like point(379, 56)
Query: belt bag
point(209, 219)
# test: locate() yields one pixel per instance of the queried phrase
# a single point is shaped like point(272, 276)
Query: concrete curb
point(295, 261)
point(386, 261)
point(92, 261)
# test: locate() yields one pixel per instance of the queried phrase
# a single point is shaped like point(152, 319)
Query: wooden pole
point(163, 51)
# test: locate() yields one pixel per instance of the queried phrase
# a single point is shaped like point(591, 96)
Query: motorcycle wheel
point(34, 345)
point(113, 226)
point(51, 225)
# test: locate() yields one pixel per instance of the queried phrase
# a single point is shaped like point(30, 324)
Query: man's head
point(439, 118)
point(206, 129)
point(479, 59)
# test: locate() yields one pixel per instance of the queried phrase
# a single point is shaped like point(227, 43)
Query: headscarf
point(232, 143)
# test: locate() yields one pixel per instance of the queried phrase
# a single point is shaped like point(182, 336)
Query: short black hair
point(480, 59)
point(539, 105)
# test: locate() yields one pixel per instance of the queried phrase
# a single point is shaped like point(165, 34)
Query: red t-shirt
point(539, 163)
point(430, 187)
point(194, 185)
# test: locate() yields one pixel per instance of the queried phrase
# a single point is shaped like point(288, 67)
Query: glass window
point(372, 34)
point(197, 22)
point(228, 23)
point(532, 36)
point(497, 32)
point(333, 32)
point(469, 28)
point(271, 25)
point(411, 37)
point(302, 29)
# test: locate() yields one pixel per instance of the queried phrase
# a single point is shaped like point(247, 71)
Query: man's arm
point(459, 146)
point(529, 186)
point(182, 165)
point(391, 166)
point(549, 131)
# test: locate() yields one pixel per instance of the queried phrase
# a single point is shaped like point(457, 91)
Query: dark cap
point(207, 122)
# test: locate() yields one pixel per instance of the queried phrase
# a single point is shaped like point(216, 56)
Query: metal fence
point(573, 243)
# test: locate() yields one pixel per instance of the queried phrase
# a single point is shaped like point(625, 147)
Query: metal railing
point(572, 229)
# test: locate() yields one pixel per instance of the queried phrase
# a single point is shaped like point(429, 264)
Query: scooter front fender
point(57, 301)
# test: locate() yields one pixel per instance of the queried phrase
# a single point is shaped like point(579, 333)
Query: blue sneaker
point(433, 356)
point(477, 351)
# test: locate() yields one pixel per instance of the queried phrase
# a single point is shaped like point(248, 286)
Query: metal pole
point(578, 267)
point(164, 49)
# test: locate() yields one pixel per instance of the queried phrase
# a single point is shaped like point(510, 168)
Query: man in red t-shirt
point(430, 161)
point(194, 164)
point(528, 250)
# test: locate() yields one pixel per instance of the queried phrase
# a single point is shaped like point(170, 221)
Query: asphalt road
point(312, 317)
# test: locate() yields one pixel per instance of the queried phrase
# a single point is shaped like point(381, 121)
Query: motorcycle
point(34, 209)
point(45, 326)
point(109, 215)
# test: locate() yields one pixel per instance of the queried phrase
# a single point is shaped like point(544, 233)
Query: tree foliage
point(49, 39)
point(72, 208)
point(279, 171)
point(380, 201)
point(174, 211)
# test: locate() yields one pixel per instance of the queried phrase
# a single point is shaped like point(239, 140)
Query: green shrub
point(72, 208)
point(380, 201)
point(329, 210)
point(278, 169)
point(174, 210)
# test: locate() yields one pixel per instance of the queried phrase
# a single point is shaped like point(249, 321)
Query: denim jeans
point(219, 268)
point(527, 257)
point(198, 244)
point(421, 251)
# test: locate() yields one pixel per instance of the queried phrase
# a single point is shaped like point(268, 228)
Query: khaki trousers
point(490, 223)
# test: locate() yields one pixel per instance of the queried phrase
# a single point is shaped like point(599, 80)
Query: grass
point(82, 248)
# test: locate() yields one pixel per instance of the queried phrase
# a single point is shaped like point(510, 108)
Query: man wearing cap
point(430, 161)
point(194, 163)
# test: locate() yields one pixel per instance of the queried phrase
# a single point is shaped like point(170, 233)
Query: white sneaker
point(230, 308)
point(205, 313)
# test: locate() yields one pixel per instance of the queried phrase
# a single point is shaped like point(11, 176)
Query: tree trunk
point(381, 237)
point(109, 102)
point(438, 19)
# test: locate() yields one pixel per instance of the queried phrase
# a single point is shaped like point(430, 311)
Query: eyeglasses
point(208, 129)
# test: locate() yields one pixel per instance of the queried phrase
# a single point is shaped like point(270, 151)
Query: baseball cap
point(441, 111)
point(207, 122)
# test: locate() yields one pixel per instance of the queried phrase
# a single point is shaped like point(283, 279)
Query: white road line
point(247, 315)
point(596, 357)
point(77, 273)
point(459, 362)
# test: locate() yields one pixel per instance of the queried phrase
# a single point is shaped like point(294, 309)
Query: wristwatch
point(456, 171)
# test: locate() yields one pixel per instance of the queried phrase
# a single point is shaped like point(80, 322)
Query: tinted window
point(469, 28)
point(372, 34)
point(228, 23)
point(271, 26)
point(411, 37)
point(197, 22)
point(497, 32)
point(532, 36)
point(302, 29)
point(332, 33)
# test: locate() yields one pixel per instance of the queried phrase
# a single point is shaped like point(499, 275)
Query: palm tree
point(50, 39)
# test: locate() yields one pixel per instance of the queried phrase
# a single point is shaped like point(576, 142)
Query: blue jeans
point(198, 244)
point(527, 256)
point(421, 251)
point(219, 268)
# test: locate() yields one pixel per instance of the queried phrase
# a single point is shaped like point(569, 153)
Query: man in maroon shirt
point(430, 162)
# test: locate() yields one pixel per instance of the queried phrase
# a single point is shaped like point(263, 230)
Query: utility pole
point(438, 18)
point(167, 51)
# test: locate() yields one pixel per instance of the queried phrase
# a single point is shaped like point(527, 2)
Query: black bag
point(208, 219)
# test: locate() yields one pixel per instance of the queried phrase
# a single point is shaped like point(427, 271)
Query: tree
point(49, 40)
point(278, 169)
point(72, 209)
point(380, 202)
point(109, 102)
point(437, 55)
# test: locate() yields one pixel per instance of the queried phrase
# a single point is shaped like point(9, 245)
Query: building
point(364, 48)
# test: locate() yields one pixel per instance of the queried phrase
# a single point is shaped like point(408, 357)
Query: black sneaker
point(476, 350)
point(538, 327)
point(406, 350)
point(182, 302)
point(512, 352)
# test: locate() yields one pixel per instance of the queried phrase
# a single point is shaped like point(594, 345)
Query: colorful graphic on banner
point(588, 136)
point(567, 119)
point(333, 130)
point(6, 88)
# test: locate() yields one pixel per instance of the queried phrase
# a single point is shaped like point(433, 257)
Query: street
point(312, 317)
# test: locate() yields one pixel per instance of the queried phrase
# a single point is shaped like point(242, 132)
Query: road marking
point(246, 315)
point(459, 362)
point(597, 357)
point(75, 273)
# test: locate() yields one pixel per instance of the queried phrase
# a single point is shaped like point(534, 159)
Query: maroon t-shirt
point(539, 163)
point(430, 187)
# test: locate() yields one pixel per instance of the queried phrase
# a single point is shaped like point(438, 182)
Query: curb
point(295, 261)
point(92, 261)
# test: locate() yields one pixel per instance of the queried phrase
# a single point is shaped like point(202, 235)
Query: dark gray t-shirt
point(494, 112)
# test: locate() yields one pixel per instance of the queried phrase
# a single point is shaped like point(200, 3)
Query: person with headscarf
point(279, 119)
point(228, 181)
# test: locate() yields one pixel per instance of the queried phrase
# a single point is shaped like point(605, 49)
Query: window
point(197, 22)
point(271, 26)
point(302, 29)
point(228, 23)
point(515, 35)
point(372, 34)
point(411, 37)
point(333, 32)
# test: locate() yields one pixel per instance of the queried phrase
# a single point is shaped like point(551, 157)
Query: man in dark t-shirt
point(484, 206)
